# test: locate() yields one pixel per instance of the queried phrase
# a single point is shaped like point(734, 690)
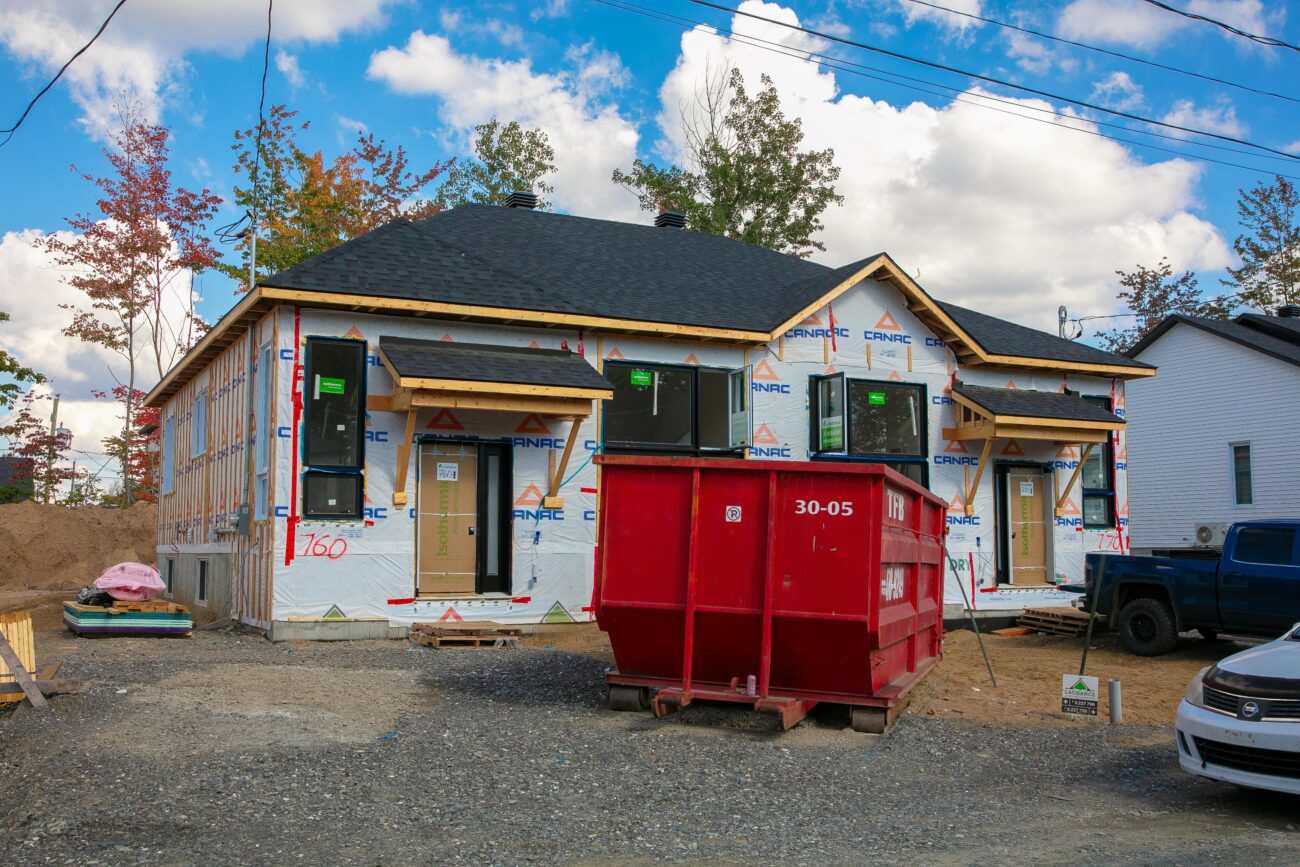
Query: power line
point(841, 65)
point(1106, 51)
point(1253, 37)
point(957, 71)
point(9, 133)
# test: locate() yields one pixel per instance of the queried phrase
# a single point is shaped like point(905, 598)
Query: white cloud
point(914, 12)
point(143, 50)
point(550, 9)
point(589, 135)
point(1142, 25)
point(1220, 117)
point(509, 35)
point(1118, 91)
point(993, 211)
point(449, 20)
point(288, 66)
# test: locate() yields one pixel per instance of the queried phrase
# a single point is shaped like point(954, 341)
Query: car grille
point(1275, 763)
point(1274, 708)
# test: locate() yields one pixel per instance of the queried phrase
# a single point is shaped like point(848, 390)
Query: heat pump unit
point(1211, 535)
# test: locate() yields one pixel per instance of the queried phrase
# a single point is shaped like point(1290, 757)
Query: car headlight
point(1196, 690)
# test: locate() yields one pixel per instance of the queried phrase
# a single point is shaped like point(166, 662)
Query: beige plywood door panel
point(1027, 520)
point(446, 547)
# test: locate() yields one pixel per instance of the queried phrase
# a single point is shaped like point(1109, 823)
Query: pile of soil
point(57, 547)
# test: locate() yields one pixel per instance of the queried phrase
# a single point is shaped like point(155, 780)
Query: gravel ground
point(226, 749)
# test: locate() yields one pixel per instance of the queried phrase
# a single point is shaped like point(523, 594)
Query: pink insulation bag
point(133, 581)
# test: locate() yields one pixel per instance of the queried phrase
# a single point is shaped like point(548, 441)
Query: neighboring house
point(15, 478)
point(1219, 431)
point(425, 402)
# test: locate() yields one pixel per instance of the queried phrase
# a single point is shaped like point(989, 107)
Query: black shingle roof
point(1036, 404)
point(1284, 327)
point(481, 362)
point(1000, 337)
point(1245, 330)
point(521, 259)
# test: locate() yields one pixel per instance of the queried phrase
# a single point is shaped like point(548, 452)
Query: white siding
point(1210, 392)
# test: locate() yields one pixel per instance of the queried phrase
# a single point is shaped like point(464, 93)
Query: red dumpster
point(772, 583)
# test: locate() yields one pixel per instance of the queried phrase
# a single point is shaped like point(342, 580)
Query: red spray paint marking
point(521, 600)
point(971, 560)
point(405, 601)
point(587, 490)
point(830, 311)
point(290, 533)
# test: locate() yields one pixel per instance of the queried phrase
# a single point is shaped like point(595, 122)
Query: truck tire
point(1147, 627)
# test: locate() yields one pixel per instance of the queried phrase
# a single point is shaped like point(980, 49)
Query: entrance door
point(1025, 533)
point(462, 527)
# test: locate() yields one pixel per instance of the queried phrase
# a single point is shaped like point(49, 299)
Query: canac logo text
point(817, 332)
point(887, 337)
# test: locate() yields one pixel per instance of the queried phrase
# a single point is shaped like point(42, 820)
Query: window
point(333, 429)
point(1273, 546)
point(332, 496)
point(664, 407)
point(333, 433)
point(1097, 480)
point(199, 424)
point(169, 573)
point(1243, 491)
point(263, 427)
point(201, 583)
point(874, 420)
point(169, 455)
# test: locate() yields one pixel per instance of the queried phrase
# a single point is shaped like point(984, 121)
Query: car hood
point(1270, 671)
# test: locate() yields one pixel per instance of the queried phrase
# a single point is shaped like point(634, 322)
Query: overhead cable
point(1253, 37)
point(9, 133)
point(1000, 82)
point(1119, 54)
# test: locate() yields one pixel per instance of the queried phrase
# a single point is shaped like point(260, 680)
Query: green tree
point(1151, 294)
point(746, 177)
point(16, 373)
point(1269, 249)
point(306, 205)
point(507, 158)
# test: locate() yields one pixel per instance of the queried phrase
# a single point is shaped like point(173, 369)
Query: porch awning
point(481, 376)
point(992, 413)
point(439, 373)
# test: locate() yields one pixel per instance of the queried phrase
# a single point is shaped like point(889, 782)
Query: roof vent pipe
point(1289, 311)
point(671, 220)
point(522, 199)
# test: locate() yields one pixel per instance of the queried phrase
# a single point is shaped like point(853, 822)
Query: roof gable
point(1241, 331)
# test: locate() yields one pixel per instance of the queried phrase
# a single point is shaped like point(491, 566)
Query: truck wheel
point(1147, 627)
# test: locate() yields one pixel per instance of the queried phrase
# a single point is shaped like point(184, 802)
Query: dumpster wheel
point(869, 720)
point(630, 698)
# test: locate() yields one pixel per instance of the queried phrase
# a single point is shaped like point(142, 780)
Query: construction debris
point(477, 634)
point(18, 661)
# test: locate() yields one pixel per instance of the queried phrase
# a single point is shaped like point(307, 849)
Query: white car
point(1240, 719)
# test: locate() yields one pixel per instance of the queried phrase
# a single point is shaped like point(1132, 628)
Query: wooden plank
point(553, 497)
point(505, 388)
point(1013, 631)
point(979, 472)
point(10, 692)
point(539, 405)
point(16, 626)
point(20, 674)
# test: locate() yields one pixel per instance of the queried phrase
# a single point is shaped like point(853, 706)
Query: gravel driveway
point(227, 749)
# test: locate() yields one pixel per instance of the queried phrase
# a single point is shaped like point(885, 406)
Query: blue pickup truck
point(1253, 588)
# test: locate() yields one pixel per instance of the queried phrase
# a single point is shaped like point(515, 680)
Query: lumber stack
point(481, 634)
point(128, 618)
point(1055, 621)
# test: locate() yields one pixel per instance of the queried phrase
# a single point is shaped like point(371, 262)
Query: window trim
point(202, 579)
point(1250, 472)
point(265, 427)
point(167, 470)
point(312, 473)
point(1107, 459)
point(199, 426)
point(361, 402)
point(694, 449)
point(169, 576)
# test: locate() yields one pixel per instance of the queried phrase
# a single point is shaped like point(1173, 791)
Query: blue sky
point(993, 211)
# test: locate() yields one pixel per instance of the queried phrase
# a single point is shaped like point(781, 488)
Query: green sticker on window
point(640, 377)
point(876, 398)
point(831, 434)
point(331, 385)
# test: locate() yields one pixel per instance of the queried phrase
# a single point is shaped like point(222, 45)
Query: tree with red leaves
point(134, 258)
point(43, 454)
point(140, 449)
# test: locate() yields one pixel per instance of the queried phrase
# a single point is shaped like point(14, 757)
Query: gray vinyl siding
point(1210, 393)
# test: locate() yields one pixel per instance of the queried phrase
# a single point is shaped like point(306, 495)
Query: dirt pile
point(53, 547)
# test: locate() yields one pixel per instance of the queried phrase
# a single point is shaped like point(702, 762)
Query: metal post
point(1116, 702)
point(970, 613)
point(1092, 614)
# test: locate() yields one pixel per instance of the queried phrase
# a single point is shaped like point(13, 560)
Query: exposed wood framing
point(404, 459)
point(539, 405)
point(973, 485)
point(976, 423)
point(553, 500)
point(1074, 477)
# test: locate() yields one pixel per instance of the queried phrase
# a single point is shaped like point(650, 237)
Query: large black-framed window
point(333, 429)
point(1097, 479)
point(675, 409)
point(872, 420)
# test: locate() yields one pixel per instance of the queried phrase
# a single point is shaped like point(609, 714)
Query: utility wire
point(838, 64)
point(1106, 51)
point(9, 133)
point(957, 71)
point(1253, 37)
